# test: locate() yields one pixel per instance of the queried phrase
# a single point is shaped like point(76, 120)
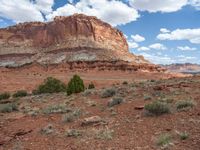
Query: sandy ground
point(124, 127)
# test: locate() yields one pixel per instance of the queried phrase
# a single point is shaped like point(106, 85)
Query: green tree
point(75, 85)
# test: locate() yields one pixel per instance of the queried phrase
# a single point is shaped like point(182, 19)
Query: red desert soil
point(123, 127)
point(30, 76)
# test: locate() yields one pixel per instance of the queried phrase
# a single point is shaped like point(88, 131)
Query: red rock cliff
point(74, 38)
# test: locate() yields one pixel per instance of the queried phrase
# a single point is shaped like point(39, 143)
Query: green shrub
point(157, 108)
point(125, 83)
point(75, 85)
point(50, 85)
point(108, 93)
point(21, 93)
point(184, 136)
point(164, 140)
point(7, 108)
point(184, 104)
point(4, 96)
point(115, 101)
point(91, 86)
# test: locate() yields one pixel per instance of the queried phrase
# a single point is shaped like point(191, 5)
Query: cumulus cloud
point(186, 48)
point(157, 46)
point(158, 5)
point(164, 30)
point(114, 12)
point(195, 3)
point(45, 6)
point(137, 38)
point(132, 44)
point(143, 48)
point(158, 59)
point(192, 35)
point(20, 11)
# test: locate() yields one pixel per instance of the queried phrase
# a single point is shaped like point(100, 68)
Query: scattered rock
point(91, 120)
point(139, 107)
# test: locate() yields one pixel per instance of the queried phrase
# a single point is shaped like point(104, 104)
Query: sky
point(163, 31)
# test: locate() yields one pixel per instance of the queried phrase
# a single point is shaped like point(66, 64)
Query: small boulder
point(91, 120)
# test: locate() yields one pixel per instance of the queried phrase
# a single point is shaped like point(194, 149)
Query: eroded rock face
point(73, 38)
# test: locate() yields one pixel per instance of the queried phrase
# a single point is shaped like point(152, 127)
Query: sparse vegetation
point(7, 108)
point(5, 95)
point(71, 116)
point(73, 133)
point(184, 135)
point(91, 86)
point(105, 134)
point(56, 109)
point(115, 101)
point(47, 130)
point(75, 85)
point(157, 108)
point(21, 93)
point(125, 83)
point(108, 93)
point(164, 140)
point(184, 104)
point(50, 85)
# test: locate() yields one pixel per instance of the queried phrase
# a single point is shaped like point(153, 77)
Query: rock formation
point(66, 39)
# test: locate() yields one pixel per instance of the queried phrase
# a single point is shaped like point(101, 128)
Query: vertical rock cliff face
point(73, 38)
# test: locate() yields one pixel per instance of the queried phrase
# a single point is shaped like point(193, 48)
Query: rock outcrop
point(66, 39)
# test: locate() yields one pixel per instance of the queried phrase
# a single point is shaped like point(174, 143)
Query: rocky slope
point(66, 39)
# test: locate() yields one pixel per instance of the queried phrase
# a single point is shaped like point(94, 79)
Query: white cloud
point(143, 48)
point(192, 35)
point(184, 59)
point(186, 48)
point(195, 3)
point(20, 11)
point(158, 59)
point(45, 6)
point(158, 5)
point(114, 12)
point(132, 44)
point(164, 30)
point(157, 46)
point(138, 38)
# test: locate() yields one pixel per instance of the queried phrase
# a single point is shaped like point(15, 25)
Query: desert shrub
point(50, 85)
point(56, 109)
point(75, 85)
point(125, 83)
point(184, 104)
point(71, 116)
point(108, 93)
point(7, 108)
point(4, 96)
point(157, 108)
point(115, 101)
point(91, 86)
point(105, 134)
point(73, 133)
point(47, 130)
point(21, 93)
point(164, 140)
point(184, 136)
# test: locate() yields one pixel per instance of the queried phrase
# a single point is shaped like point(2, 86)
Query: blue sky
point(163, 32)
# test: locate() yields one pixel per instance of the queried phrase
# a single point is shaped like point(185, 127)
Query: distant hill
point(183, 68)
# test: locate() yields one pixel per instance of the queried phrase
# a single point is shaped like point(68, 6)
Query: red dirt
point(132, 128)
